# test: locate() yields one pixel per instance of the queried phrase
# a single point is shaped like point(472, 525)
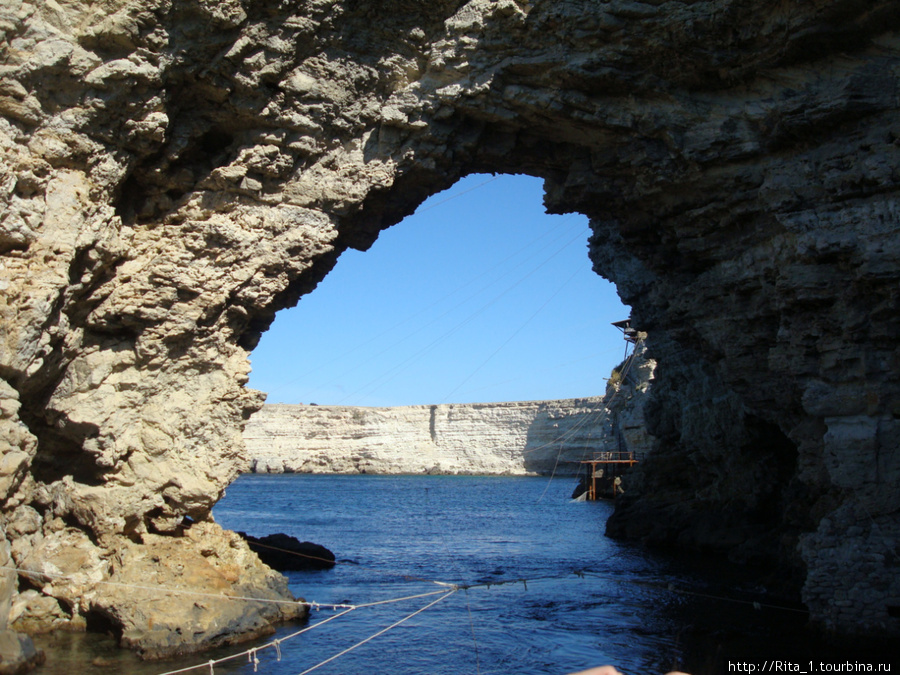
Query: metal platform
point(605, 482)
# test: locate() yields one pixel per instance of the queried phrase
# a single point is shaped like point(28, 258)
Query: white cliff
point(478, 438)
point(517, 438)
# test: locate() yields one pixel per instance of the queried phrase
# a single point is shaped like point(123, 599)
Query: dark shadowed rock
point(284, 552)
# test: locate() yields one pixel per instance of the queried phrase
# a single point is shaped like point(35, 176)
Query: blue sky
point(479, 296)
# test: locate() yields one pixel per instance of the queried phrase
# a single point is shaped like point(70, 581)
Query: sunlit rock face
point(173, 172)
point(519, 438)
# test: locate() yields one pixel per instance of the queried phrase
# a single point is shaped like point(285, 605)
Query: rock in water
point(283, 552)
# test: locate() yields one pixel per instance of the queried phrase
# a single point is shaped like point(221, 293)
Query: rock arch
point(176, 171)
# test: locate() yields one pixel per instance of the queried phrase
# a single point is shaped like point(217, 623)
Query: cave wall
point(173, 172)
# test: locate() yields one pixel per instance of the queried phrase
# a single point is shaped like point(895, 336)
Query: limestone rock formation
point(520, 438)
point(173, 172)
point(514, 438)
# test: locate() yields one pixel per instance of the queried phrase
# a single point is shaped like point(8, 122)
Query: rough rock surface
point(17, 651)
point(162, 595)
point(627, 395)
point(174, 172)
point(520, 438)
point(514, 438)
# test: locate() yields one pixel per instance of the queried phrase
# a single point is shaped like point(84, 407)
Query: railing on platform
point(611, 457)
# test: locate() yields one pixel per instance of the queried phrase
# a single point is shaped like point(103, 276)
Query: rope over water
point(447, 590)
point(379, 633)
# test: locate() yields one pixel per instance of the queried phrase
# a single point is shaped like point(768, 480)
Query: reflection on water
point(71, 653)
point(549, 593)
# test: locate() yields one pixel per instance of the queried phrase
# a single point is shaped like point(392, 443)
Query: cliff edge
point(520, 438)
point(512, 438)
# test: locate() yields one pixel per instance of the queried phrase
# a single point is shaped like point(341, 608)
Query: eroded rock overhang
point(174, 172)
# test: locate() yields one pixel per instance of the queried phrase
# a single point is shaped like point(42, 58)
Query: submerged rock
point(17, 652)
point(284, 553)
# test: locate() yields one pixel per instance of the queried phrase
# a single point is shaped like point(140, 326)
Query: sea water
point(540, 589)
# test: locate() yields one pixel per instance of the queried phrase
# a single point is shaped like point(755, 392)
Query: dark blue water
point(585, 600)
point(400, 533)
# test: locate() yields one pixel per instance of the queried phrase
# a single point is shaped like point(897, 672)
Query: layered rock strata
point(521, 438)
point(513, 438)
point(174, 172)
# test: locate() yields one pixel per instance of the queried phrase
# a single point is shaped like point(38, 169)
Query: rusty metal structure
point(606, 469)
